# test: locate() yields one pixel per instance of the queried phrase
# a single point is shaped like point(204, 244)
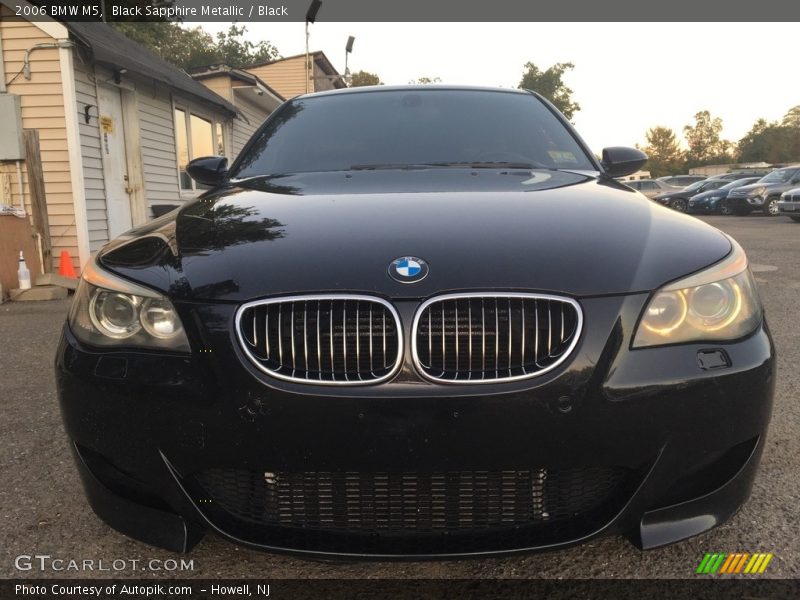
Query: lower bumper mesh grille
point(546, 504)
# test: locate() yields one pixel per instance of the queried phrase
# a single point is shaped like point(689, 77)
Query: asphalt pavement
point(44, 511)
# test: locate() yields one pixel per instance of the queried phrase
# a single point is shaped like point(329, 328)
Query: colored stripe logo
point(737, 562)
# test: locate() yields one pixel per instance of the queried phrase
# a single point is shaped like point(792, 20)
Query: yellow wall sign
point(106, 124)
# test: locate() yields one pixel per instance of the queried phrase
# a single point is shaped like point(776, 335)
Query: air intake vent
point(334, 340)
point(484, 338)
point(412, 502)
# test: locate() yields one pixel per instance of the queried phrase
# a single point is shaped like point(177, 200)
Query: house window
point(196, 136)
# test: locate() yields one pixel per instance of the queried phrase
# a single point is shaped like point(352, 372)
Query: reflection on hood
point(413, 180)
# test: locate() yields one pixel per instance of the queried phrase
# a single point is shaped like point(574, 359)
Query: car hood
point(478, 230)
point(743, 190)
point(704, 196)
point(676, 193)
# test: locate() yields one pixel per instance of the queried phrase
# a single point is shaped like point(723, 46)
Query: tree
point(362, 78)
point(752, 147)
point(425, 80)
point(237, 52)
point(792, 118)
point(771, 142)
point(704, 141)
point(193, 47)
point(664, 155)
point(550, 84)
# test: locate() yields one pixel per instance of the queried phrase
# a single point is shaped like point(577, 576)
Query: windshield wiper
point(447, 165)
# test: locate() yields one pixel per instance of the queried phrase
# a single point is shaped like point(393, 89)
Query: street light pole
point(311, 16)
point(347, 50)
point(307, 56)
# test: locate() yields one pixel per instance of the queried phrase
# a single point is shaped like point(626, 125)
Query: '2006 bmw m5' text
point(417, 321)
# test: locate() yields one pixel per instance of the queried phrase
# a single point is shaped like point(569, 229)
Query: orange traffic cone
point(65, 268)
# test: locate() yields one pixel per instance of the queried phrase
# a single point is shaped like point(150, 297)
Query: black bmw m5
point(417, 321)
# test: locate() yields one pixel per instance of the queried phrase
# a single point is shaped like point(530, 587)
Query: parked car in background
point(757, 173)
point(649, 187)
point(765, 193)
point(789, 204)
point(715, 201)
point(681, 181)
point(679, 199)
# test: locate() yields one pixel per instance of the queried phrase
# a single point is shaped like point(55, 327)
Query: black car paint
point(713, 200)
point(682, 196)
point(165, 417)
point(226, 237)
point(143, 422)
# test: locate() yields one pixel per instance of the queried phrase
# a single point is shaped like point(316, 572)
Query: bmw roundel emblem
point(408, 269)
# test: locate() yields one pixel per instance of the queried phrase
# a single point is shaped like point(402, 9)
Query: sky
point(627, 78)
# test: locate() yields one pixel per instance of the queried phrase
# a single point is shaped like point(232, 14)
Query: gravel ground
point(44, 510)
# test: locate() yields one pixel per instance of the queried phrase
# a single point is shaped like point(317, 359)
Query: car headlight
point(720, 303)
point(108, 310)
point(756, 192)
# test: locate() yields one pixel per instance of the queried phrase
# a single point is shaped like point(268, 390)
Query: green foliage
point(237, 52)
point(193, 47)
point(362, 78)
point(425, 80)
point(664, 154)
point(792, 118)
point(772, 142)
point(704, 141)
point(550, 84)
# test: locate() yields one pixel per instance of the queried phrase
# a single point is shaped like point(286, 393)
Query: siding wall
point(91, 153)
point(220, 85)
point(157, 133)
point(242, 130)
point(42, 109)
point(287, 77)
point(158, 144)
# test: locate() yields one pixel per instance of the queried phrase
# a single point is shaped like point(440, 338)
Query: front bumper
point(790, 208)
point(746, 202)
point(647, 443)
point(705, 207)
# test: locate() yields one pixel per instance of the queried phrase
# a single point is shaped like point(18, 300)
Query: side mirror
point(209, 170)
point(619, 161)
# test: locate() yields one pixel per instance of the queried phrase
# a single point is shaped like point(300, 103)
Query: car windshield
point(411, 128)
point(712, 184)
point(778, 176)
point(695, 186)
point(738, 183)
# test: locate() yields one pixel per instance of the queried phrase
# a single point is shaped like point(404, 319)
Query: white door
point(115, 162)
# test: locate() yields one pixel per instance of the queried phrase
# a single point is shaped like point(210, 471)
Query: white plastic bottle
point(23, 273)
